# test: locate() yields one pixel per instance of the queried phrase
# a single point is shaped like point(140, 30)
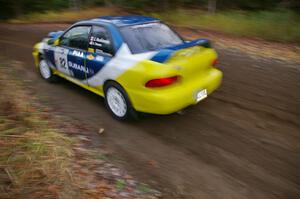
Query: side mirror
point(53, 42)
point(56, 42)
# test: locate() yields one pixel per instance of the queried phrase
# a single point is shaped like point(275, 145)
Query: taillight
point(161, 82)
point(215, 62)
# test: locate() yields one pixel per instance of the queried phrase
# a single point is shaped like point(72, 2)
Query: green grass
point(120, 184)
point(283, 26)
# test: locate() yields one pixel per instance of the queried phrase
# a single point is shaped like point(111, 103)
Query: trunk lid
point(190, 59)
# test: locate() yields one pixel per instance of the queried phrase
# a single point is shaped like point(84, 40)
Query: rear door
point(101, 50)
point(70, 55)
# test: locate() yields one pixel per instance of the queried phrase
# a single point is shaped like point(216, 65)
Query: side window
point(77, 37)
point(100, 41)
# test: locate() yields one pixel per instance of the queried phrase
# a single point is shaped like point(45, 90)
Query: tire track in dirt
point(242, 142)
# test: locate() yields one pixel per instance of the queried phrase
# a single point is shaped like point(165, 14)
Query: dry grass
point(38, 159)
point(34, 158)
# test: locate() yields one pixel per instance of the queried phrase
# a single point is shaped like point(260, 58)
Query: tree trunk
point(17, 8)
point(285, 3)
point(75, 4)
point(212, 6)
point(165, 5)
point(107, 3)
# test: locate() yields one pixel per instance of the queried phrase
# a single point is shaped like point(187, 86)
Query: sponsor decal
point(90, 57)
point(60, 57)
point(77, 67)
point(80, 67)
point(100, 58)
point(62, 62)
point(78, 53)
point(95, 41)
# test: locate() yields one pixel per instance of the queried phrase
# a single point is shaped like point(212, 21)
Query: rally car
point(137, 63)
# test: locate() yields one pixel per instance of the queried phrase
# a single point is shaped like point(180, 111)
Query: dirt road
point(242, 142)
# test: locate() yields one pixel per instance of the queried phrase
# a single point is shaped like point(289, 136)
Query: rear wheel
point(46, 72)
point(118, 103)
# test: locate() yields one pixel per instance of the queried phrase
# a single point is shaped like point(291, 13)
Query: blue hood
point(54, 35)
point(164, 54)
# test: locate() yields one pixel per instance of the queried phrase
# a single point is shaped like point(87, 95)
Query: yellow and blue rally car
point(136, 63)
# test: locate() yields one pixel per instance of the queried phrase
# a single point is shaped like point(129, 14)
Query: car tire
point(46, 72)
point(118, 103)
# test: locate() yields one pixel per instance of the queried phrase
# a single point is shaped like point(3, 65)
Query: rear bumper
point(172, 99)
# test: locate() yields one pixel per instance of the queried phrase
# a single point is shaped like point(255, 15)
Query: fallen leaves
point(153, 163)
point(101, 131)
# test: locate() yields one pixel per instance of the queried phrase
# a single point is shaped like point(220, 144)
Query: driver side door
point(70, 54)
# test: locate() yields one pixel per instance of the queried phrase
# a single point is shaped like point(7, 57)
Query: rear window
point(149, 37)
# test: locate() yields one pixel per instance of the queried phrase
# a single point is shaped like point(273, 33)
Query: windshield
point(149, 37)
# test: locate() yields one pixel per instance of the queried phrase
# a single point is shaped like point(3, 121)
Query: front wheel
point(46, 72)
point(118, 103)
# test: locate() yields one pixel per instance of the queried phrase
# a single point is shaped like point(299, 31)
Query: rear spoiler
point(198, 42)
point(204, 42)
point(164, 54)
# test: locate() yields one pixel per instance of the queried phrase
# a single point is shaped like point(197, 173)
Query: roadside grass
point(66, 15)
point(47, 155)
point(35, 159)
point(281, 25)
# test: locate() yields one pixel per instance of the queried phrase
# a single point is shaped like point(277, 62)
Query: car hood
point(54, 35)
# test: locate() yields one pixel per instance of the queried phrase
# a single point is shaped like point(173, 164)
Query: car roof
point(125, 20)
